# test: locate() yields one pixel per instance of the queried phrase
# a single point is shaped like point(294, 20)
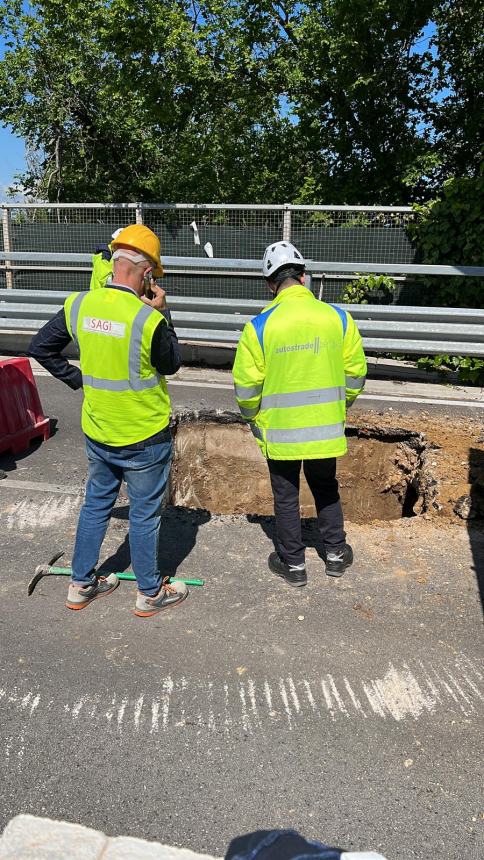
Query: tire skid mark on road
point(228, 706)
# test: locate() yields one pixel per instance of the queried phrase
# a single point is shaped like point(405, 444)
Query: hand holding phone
point(154, 296)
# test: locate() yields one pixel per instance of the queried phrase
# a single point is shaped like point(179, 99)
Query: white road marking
point(227, 717)
point(309, 694)
point(245, 717)
point(285, 701)
point(355, 701)
point(77, 707)
point(121, 711)
point(268, 695)
point(155, 715)
point(110, 711)
point(28, 514)
point(393, 398)
point(336, 696)
point(327, 697)
point(472, 685)
point(168, 689)
point(253, 702)
point(40, 486)
point(374, 699)
point(35, 704)
point(424, 401)
point(295, 700)
point(137, 711)
point(402, 692)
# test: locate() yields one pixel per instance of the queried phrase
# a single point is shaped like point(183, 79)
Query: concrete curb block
point(27, 837)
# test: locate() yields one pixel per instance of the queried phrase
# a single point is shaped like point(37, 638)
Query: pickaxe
point(49, 570)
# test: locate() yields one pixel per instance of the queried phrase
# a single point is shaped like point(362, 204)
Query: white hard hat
point(117, 232)
point(278, 255)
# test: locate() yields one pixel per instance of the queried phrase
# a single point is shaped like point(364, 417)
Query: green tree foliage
point(360, 92)
point(319, 101)
point(459, 64)
point(147, 101)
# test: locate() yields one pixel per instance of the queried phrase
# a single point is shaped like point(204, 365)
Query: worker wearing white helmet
point(298, 365)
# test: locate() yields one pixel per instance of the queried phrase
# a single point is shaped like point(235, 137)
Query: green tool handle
point(66, 571)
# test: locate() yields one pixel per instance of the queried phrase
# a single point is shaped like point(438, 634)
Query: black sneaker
point(293, 575)
point(337, 562)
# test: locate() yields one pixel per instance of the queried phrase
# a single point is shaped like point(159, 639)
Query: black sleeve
point(165, 352)
point(46, 347)
point(104, 250)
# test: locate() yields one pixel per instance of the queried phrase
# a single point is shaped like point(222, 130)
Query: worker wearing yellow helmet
point(126, 347)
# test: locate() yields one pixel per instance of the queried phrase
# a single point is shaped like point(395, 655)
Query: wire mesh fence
point(339, 233)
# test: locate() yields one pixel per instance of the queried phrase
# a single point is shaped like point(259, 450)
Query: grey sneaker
point(170, 594)
point(78, 597)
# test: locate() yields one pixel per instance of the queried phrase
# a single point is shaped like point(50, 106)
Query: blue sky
point(12, 151)
point(12, 158)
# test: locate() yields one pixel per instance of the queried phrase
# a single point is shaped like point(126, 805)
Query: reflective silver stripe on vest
point(307, 434)
point(304, 398)
point(135, 344)
point(355, 381)
point(106, 384)
point(243, 392)
point(248, 413)
point(74, 315)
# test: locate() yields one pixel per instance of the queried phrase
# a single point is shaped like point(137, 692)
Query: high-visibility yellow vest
point(298, 364)
point(102, 270)
point(125, 399)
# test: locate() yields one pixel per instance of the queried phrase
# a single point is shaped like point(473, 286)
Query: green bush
point(450, 231)
point(369, 290)
point(470, 370)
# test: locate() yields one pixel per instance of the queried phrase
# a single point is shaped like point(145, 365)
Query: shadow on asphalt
point(475, 519)
point(309, 528)
point(9, 460)
point(178, 536)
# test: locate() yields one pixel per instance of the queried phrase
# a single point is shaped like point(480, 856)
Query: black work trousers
point(321, 477)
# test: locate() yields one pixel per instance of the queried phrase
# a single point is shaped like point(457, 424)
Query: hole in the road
point(218, 467)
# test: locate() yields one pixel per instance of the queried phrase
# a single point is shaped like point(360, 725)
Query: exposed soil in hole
point(218, 467)
point(397, 466)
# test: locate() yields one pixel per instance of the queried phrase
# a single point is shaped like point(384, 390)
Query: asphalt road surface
point(350, 710)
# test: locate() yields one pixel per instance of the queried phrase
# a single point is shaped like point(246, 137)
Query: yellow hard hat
point(142, 239)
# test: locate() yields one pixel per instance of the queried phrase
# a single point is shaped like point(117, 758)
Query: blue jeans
point(146, 473)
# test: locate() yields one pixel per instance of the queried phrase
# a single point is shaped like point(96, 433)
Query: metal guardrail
point(384, 328)
point(214, 264)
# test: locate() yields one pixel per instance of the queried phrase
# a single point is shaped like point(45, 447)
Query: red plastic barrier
point(21, 416)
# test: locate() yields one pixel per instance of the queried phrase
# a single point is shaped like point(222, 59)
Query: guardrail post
point(139, 213)
point(286, 224)
point(7, 246)
point(321, 287)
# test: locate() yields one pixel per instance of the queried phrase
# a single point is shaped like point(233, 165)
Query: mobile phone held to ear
point(148, 291)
